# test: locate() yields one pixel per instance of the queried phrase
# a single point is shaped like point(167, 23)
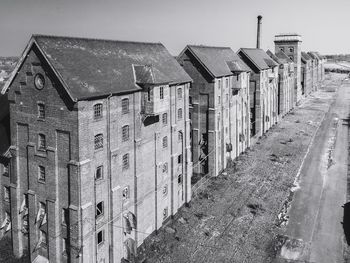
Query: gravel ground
point(238, 216)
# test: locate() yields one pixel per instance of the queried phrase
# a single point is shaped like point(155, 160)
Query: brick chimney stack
point(259, 32)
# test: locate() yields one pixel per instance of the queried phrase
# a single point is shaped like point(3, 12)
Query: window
point(39, 81)
point(41, 111)
point(161, 93)
point(190, 100)
point(165, 190)
point(41, 142)
point(282, 49)
point(179, 93)
point(226, 83)
point(165, 142)
point(6, 194)
point(99, 172)
point(165, 118)
point(126, 192)
point(149, 94)
point(219, 83)
point(125, 133)
point(165, 213)
point(125, 106)
point(42, 208)
point(98, 141)
point(125, 161)
point(41, 173)
point(100, 237)
point(6, 170)
point(165, 168)
point(99, 209)
point(179, 158)
point(179, 114)
point(65, 216)
point(226, 97)
point(219, 99)
point(179, 179)
point(98, 111)
point(43, 237)
point(64, 244)
point(180, 136)
point(291, 58)
point(291, 49)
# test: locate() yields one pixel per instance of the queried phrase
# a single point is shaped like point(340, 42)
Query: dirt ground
point(238, 216)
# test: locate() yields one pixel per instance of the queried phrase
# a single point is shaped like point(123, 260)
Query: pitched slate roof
point(305, 56)
point(259, 58)
point(283, 56)
point(95, 67)
point(219, 61)
point(312, 55)
point(274, 57)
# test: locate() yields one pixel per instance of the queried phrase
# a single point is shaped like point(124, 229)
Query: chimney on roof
point(258, 32)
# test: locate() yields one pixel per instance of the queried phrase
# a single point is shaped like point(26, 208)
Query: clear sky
point(323, 24)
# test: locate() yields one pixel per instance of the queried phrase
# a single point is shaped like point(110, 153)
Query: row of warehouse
point(101, 141)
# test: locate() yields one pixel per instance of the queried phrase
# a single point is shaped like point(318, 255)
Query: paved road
point(316, 211)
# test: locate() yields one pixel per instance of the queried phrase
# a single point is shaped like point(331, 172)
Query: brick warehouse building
point(290, 44)
point(285, 90)
point(262, 89)
point(100, 147)
point(219, 98)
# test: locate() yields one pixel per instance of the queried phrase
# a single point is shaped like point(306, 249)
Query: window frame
point(125, 133)
point(179, 114)
point(42, 236)
point(165, 142)
point(179, 93)
point(161, 92)
point(7, 194)
point(99, 168)
point(165, 118)
point(64, 216)
point(165, 190)
point(125, 106)
point(42, 142)
point(127, 191)
point(6, 170)
point(99, 210)
point(41, 174)
point(102, 237)
point(41, 111)
point(98, 141)
point(98, 111)
point(125, 161)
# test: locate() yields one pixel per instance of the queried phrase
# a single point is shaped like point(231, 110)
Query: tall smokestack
point(259, 32)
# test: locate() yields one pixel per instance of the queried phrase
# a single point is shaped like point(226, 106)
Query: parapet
point(287, 37)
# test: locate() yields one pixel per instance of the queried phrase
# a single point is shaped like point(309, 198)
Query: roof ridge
point(205, 46)
point(96, 39)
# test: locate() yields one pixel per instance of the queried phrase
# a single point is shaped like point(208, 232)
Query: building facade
point(307, 74)
point(100, 147)
point(290, 44)
point(285, 89)
point(262, 90)
point(219, 99)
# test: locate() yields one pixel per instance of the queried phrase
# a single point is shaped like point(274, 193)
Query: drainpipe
point(109, 171)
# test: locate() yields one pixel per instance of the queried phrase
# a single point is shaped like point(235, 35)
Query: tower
point(290, 44)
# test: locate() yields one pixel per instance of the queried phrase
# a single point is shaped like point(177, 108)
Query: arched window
point(179, 114)
point(165, 141)
point(98, 111)
point(179, 93)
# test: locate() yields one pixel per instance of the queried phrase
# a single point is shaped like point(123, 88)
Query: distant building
point(290, 44)
point(219, 98)
point(307, 73)
point(285, 90)
point(262, 89)
point(100, 148)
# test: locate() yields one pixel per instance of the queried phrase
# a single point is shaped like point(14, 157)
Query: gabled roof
point(312, 55)
point(305, 56)
point(274, 57)
point(219, 61)
point(259, 58)
point(283, 56)
point(93, 67)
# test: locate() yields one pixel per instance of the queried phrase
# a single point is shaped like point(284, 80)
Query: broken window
point(130, 250)
point(6, 194)
point(125, 106)
point(99, 172)
point(41, 215)
point(165, 213)
point(126, 192)
point(179, 158)
point(165, 167)
point(179, 179)
point(65, 216)
point(6, 170)
point(98, 111)
point(41, 174)
point(43, 237)
point(100, 237)
point(6, 223)
point(165, 190)
point(98, 141)
point(41, 142)
point(99, 209)
point(125, 133)
point(180, 136)
point(41, 111)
